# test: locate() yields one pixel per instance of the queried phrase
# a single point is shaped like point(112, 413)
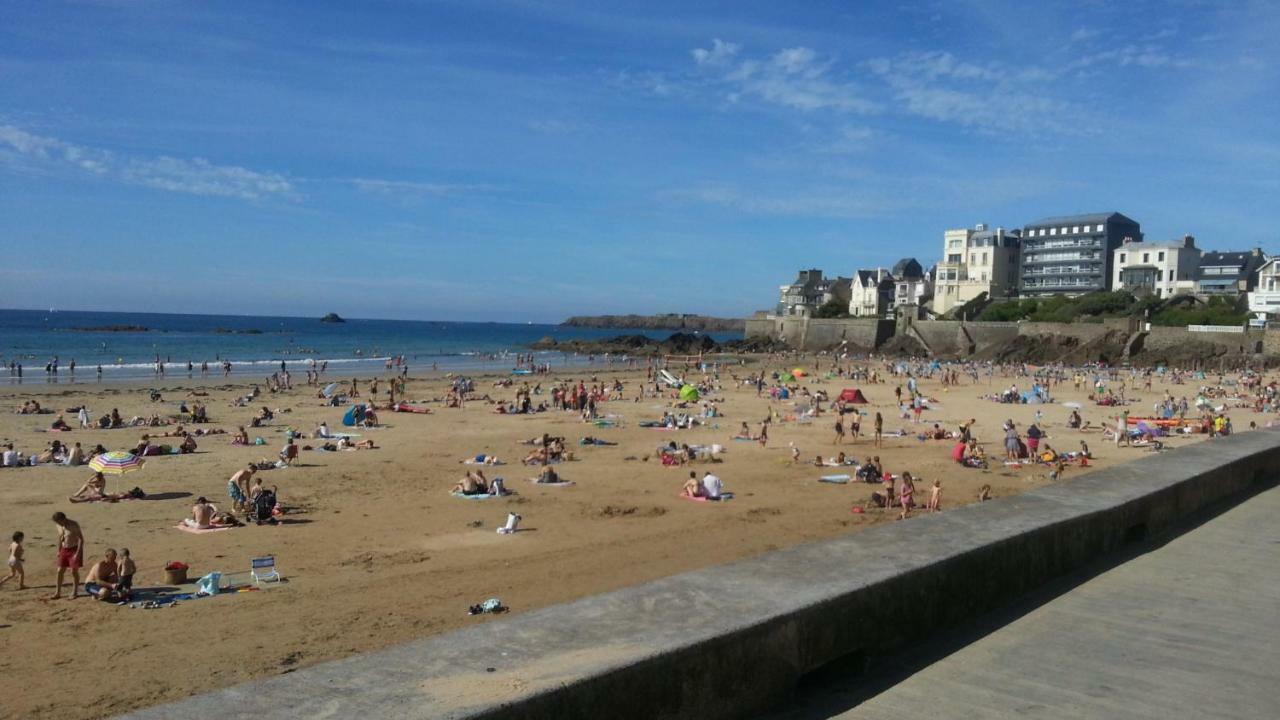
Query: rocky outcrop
point(676, 344)
point(658, 322)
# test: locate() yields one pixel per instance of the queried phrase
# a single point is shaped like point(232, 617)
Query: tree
point(832, 308)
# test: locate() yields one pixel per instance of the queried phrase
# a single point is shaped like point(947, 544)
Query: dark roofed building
point(1229, 273)
point(1073, 254)
point(810, 291)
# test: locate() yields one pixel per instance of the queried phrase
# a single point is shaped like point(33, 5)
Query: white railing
point(1216, 328)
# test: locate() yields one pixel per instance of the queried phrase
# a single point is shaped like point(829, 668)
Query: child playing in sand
point(935, 496)
point(15, 562)
point(984, 493)
point(126, 570)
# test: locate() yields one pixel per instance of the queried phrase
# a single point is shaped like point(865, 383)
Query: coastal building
point(1073, 254)
point(1265, 298)
point(1228, 273)
point(912, 284)
point(975, 261)
point(1163, 269)
point(872, 293)
point(810, 291)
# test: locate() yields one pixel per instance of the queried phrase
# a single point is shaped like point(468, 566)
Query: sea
point(256, 345)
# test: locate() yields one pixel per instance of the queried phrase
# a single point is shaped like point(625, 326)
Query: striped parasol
point(116, 462)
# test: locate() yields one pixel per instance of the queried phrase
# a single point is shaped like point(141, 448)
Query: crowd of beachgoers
point(757, 452)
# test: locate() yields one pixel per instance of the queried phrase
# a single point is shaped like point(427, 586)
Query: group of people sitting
point(56, 452)
point(475, 483)
point(709, 486)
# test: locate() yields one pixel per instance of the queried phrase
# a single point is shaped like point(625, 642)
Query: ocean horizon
point(257, 344)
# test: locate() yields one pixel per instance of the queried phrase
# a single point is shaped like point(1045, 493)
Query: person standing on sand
point(839, 431)
point(70, 553)
point(879, 429)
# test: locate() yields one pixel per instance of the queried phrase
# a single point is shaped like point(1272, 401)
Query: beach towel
point(477, 496)
point(723, 497)
point(406, 407)
point(200, 531)
point(561, 483)
point(837, 479)
point(104, 499)
point(481, 460)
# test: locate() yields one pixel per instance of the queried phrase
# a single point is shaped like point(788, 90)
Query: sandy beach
point(376, 551)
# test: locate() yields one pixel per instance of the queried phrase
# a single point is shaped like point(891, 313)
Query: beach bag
point(208, 585)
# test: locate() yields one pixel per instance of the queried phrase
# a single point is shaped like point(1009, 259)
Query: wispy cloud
point(828, 202)
point(412, 188)
point(193, 176)
point(987, 96)
point(794, 78)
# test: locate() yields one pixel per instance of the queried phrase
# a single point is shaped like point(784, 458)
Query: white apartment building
point(1164, 269)
point(976, 261)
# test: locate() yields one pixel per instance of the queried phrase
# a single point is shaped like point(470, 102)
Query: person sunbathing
point(473, 483)
point(548, 476)
point(537, 456)
point(202, 515)
point(692, 486)
point(94, 489)
point(103, 580)
point(75, 456)
point(59, 424)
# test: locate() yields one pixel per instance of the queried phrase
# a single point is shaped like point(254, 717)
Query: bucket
point(175, 577)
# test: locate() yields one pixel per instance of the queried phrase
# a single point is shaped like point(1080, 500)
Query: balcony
point(1057, 257)
point(1092, 270)
point(1065, 283)
point(1033, 245)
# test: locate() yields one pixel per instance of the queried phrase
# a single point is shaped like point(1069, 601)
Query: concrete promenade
point(1186, 630)
point(733, 640)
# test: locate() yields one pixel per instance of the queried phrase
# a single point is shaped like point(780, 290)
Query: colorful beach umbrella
point(116, 462)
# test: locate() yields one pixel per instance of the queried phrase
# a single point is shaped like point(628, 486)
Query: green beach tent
point(689, 393)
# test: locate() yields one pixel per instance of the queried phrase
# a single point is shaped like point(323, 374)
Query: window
point(1157, 292)
point(1146, 257)
point(1075, 230)
point(1160, 257)
point(1064, 231)
point(1099, 229)
point(1160, 276)
point(984, 259)
point(1122, 257)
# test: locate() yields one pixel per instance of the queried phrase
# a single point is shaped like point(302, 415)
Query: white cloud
point(195, 176)
point(793, 78)
point(721, 53)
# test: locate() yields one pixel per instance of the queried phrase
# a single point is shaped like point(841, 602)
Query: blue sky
point(525, 161)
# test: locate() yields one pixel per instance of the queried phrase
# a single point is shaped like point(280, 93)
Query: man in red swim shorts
point(70, 553)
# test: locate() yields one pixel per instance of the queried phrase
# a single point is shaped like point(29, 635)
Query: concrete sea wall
point(954, 338)
point(730, 640)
